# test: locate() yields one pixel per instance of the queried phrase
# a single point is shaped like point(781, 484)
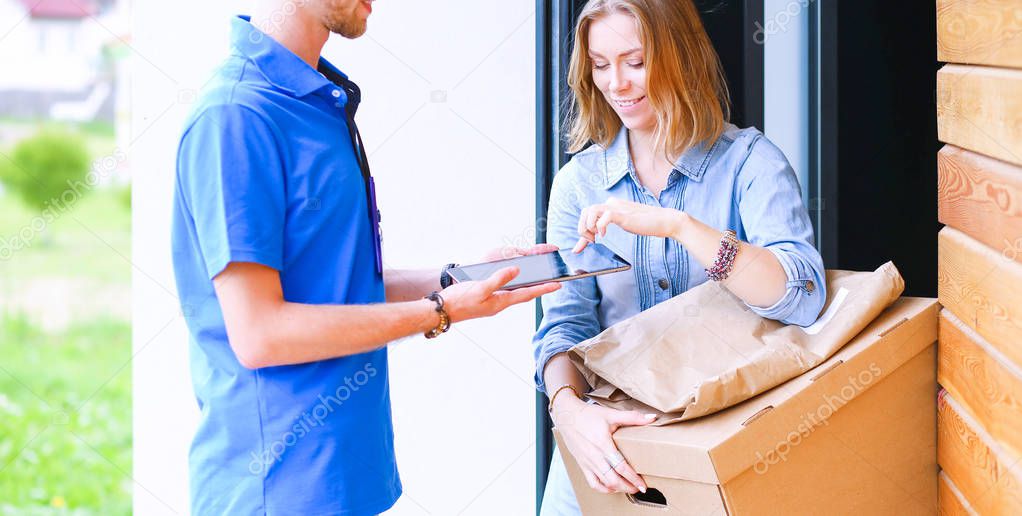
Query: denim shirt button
point(664, 284)
point(810, 286)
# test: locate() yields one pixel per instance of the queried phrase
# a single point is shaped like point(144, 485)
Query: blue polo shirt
point(266, 173)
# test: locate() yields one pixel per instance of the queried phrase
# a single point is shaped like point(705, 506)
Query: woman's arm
point(756, 277)
point(774, 217)
point(778, 273)
point(570, 314)
point(559, 371)
point(569, 317)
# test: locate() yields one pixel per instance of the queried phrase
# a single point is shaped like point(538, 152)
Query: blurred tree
point(124, 195)
point(48, 170)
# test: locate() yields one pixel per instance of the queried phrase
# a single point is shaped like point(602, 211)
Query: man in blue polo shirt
point(279, 272)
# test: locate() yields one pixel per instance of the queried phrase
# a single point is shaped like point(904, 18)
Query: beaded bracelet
point(726, 254)
point(445, 320)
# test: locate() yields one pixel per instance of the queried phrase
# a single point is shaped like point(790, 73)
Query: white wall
point(448, 117)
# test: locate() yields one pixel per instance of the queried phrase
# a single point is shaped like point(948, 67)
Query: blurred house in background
point(60, 59)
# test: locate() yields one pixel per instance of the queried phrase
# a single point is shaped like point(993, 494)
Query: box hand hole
point(651, 498)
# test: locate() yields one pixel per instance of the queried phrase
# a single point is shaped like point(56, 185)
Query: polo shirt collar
point(618, 161)
point(281, 67)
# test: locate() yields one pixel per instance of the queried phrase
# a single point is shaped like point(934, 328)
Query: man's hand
point(474, 299)
point(411, 285)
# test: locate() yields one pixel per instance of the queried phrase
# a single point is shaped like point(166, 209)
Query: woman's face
point(619, 71)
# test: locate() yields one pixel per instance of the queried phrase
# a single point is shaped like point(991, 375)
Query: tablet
point(562, 265)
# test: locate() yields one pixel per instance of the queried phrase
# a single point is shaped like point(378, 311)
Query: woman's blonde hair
point(684, 80)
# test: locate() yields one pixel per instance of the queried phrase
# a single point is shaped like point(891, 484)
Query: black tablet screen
point(541, 268)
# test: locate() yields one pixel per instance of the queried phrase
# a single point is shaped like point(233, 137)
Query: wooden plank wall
point(979, 200)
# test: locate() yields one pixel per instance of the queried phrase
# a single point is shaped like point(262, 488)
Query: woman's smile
point(626, 105)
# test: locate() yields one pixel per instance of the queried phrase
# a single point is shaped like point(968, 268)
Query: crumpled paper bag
point(704, 350)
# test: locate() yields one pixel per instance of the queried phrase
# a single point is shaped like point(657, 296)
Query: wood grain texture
point(980, 108)
point(981, 380)
point(950, 500)
point(982, 197)
point(986, 477)
point(980, 32)
point(982, 288)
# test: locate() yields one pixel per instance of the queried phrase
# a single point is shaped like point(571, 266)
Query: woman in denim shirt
point(666, 175)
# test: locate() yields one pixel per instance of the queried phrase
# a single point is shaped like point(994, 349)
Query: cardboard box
point(857, 434)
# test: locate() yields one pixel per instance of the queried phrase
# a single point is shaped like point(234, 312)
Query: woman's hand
point(632, 217)
point(586, 430)
point(510, 251)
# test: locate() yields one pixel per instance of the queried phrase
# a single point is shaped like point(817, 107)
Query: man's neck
point(299, 31)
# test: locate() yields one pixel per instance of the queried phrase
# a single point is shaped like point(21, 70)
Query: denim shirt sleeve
point(774, 217)
point(569, 314)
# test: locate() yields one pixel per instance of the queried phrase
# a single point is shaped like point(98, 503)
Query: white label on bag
point(817, 326)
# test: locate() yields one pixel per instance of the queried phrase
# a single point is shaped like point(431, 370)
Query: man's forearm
point(409, 285)
point(264, 330)
point(296, 333)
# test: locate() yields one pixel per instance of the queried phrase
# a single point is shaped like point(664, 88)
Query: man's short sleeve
point(232, 181)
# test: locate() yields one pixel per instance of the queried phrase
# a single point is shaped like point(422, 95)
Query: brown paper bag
point(704, 350)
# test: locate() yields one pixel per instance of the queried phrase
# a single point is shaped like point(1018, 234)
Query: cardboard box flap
point(717, 447)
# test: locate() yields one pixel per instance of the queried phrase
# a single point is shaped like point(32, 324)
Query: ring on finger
point(614, 459)
point(606, 473)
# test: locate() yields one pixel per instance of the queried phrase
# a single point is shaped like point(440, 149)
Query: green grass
point(65, 418)
point(65, 391)
point(91, 240)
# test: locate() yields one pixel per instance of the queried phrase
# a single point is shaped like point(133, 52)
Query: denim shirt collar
point(281, 67)
point(618, 161)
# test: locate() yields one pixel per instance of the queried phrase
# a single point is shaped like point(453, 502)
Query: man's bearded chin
point(347, 27)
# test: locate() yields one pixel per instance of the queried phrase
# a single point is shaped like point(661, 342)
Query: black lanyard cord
point(363, 164)
point(359, 148)
point(354, 98)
